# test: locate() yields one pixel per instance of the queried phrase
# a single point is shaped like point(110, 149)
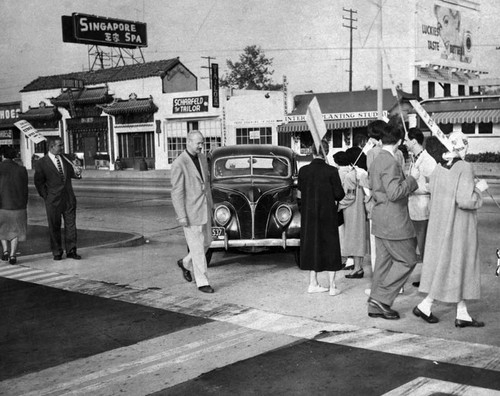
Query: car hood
point(252, 189)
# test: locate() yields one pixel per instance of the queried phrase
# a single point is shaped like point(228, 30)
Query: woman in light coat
point(451, 267)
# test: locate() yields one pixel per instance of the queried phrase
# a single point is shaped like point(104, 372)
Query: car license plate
point(218, 232)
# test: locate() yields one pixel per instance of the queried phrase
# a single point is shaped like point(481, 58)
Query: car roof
point(251, 149)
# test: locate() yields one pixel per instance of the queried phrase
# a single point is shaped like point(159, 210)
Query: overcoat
point(13, 200)
point(390, 191)
point(321, 189)
point(354, 215)
point(450, 271)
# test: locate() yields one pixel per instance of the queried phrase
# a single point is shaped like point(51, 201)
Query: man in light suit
point(192, 200)
point(395, 240)
point(52, 178)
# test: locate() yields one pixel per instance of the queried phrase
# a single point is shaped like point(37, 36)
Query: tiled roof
point(85, 96)
point(145, 105)
point(40, 113)
point(128, 72)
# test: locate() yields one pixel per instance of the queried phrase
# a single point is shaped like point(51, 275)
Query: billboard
point(447, 32)
point(96, 30)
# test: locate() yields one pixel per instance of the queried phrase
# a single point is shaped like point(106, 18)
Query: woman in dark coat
point(13, 203)
point(320, 189)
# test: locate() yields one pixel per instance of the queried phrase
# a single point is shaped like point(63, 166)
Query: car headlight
point(222, 215)
point(283, 214)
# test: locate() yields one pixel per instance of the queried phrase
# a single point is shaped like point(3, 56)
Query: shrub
point(483, 157)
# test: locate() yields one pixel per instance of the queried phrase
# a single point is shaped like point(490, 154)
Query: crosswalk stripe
point(404, 344)
point(140, 365)
point(423, 386)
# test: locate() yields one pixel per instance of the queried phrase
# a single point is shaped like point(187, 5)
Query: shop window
point(192, 126)
point(211, 143)
point(446, 128)
point(485, 127)
point(41, 147)
point(253, 135)
point(469, 128)
point(175, 146)
point(337, 136)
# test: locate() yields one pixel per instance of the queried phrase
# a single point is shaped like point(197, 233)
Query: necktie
point(59, 168)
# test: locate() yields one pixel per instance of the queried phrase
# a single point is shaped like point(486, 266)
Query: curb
point(134, 240)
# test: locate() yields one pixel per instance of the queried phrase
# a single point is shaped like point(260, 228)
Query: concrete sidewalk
point(271, 282)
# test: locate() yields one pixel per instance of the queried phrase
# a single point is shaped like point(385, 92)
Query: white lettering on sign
point(338, 116)
point(190, 105)
point(436, 131)
point(9, 114)
point(29, 131)
point(87, 26)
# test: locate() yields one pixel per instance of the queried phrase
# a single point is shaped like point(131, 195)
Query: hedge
point(483, 157)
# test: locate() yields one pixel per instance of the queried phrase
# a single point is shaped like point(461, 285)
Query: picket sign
point(29, 131)
point(434, 128)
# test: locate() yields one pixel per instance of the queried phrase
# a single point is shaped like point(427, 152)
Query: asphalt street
point(124, 321)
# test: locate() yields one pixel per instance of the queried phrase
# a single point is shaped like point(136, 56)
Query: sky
point(305, 39)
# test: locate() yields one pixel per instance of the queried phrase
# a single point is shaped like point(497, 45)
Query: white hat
point(460, 143)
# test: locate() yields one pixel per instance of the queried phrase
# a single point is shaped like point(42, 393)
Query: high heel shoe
point(5, 256)
point(356, 275)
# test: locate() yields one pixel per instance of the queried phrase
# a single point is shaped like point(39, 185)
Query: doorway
point(90, 149)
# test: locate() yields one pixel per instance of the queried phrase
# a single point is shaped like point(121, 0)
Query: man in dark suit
point(53, 175)
point(395, 239)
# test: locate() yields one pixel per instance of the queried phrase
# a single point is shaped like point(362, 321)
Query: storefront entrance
point(133, 148)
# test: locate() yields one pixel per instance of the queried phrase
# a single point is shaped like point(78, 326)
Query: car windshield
point(252, 165)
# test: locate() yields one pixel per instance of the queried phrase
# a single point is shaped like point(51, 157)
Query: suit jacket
point(49, 184)
point(13, 186)
point(191, 195)
point(390, 191)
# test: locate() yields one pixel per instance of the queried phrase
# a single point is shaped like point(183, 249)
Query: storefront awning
point(41, 114)
point(85, 96)
point(130, 106)
point(459, 117)
point(343, 124)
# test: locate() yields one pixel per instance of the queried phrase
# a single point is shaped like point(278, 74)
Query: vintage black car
point(255, 198)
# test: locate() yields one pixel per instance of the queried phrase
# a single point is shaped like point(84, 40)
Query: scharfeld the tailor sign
point(190, 105)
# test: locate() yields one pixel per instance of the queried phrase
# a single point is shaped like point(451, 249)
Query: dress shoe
point(317, 289)
point(383, 310)
point(5, 256)
point(356, 275)
point(468, 323)
point(73, 255)
point(206, 289)
point(428, 318)
point(58, 257)
point(12, 260)
point(186, 273)
point(416, 284)
point(348, 268)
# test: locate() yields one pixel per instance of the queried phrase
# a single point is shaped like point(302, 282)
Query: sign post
point(436, 131)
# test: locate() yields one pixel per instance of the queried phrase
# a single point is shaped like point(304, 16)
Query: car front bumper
point(230, 243)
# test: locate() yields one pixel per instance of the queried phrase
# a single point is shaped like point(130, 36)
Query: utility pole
point(380, 66)
point(351, 28)
point(209, 67)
